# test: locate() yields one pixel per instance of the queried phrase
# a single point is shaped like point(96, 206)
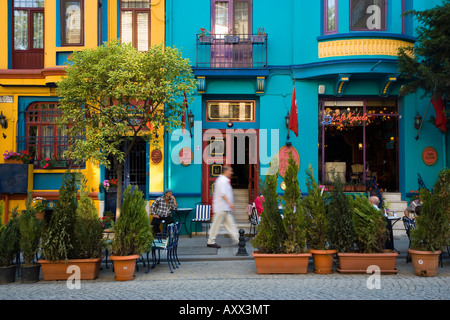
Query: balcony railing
point(234, 51)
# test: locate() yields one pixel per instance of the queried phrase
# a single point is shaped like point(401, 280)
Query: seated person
point(258, 204)
point(413, 209)
point(161, 209)
point(375, 201)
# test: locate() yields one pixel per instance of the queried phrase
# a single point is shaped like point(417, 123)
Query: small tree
point(341, 233)
point(271, 233)
point(88, 228)
point(114, 94)
point(293, 213)
point(9, 240)
point(315, 207)
point(30, 231)
point(433, 222)
point(370, 226)
point(59, 237)
point(132, 232)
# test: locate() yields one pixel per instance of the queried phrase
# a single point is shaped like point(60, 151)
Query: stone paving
point(223, 276)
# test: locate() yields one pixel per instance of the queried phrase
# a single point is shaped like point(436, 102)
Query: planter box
point(425, 263)
point(359, 262)
point(57, 270)
point(231, 39)
point(206, 39)
point(257, 39)
point(281, 263)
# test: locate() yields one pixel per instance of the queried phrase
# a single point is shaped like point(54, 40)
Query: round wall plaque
point(283, 157)
point(185, 156)
point(429, 156)
point(156, 156)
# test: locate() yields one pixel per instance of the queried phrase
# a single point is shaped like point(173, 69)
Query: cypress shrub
point(132, 231)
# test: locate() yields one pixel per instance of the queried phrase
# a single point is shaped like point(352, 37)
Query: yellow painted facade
point(15, 83)
point(361, 47)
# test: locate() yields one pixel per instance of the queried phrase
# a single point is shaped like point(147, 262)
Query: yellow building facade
point(36, 38)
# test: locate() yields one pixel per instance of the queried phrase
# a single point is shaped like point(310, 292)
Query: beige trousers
point(226, 218)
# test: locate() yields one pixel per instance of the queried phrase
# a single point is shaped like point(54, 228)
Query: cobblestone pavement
point(238, 280)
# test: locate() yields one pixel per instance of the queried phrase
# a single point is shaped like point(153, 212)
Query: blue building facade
point(341, 58)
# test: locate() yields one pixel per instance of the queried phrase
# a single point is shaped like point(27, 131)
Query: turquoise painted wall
point(294, 30)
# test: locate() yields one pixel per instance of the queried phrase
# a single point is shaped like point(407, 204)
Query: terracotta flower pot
point(425, 263)
point(360, 262)
point(323, 261)
point(281, 263)
point(57, 270)
point(124, 267)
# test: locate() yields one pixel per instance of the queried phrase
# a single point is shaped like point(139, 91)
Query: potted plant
point(314, 208)
point(370, 237)
point(433, 230)
point(260, 37)
point(281, 242)
point(60, 242)
point(205, 36)
point(9, 248)
point(341, 233)
point(132, 235)
point(107, 219)
point(30, 234)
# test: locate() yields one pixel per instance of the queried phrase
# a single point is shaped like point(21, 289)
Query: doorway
point(134, 172)
point(237, 149)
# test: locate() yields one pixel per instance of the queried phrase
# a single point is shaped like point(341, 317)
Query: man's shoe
point(214, 245)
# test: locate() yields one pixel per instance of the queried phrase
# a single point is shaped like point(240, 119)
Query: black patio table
point(391, 220)
point(183, 212)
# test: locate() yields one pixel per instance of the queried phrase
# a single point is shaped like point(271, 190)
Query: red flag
point(441, 120)
point(183, 117)
point(293, 120)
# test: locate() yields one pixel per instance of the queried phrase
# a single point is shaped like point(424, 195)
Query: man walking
point(223, 206)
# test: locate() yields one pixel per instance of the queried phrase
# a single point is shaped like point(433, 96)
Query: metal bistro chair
point(176, 238)
point(202, 215)
point(409, 225)
point(168, 245)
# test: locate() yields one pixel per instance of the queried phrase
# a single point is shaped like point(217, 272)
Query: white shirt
point(222, 187)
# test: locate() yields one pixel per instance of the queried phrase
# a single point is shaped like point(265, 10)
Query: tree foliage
point(114, 93)
point(132, 232)
point(271, 233)
point(316, 214)
point(427, 65)
point(30, 231)
point(341, 233)
point(59, 236)
point(433, 222)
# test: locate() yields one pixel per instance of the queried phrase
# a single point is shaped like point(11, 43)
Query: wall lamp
point(190, 121)
point(3, 122)
point(417, 121)
point(287, 119)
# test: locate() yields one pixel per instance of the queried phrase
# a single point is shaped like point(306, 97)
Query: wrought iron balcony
point(233, 51)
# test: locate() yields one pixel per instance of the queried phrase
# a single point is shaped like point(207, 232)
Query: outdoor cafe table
point(182, 214)
point(391, 221)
